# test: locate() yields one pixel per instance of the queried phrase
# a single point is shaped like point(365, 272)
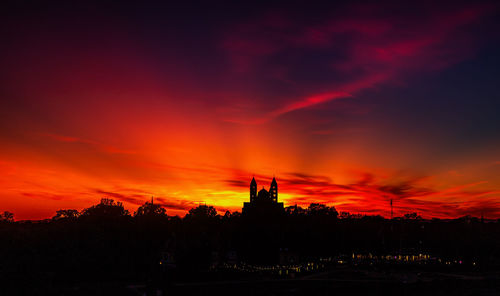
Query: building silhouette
point(263, 202)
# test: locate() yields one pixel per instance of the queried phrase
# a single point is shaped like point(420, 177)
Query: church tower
point(273, 190)
point(253, 190)
point(263, 203)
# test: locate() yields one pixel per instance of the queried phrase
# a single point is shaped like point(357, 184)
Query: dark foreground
point(339, 280)
point(106, 251)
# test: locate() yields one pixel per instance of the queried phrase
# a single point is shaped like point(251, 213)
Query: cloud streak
point(376, 50)
point(96, 145)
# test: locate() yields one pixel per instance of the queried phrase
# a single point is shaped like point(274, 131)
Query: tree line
point(109, 208)
point(107, 242)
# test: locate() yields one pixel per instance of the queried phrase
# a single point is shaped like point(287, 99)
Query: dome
point(263, 194)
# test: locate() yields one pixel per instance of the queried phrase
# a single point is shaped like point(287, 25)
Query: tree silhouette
point(227, 215)
point(107, 208)
point(412, 216)
point(149, 209)
point(6, 217)
point(66, 214)
point(295, 210)
point(346, 215)
point(316, 209)
point(202, 212)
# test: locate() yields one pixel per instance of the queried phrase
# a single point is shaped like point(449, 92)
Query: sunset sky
point(347, 104)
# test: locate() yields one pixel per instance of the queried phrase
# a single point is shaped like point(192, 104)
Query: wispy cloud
point(44, 195)
point(96, 145)
point(374, 50)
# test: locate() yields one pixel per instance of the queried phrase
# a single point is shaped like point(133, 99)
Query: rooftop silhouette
point(264, 202)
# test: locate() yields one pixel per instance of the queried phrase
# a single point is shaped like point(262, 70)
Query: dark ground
point(333, 281)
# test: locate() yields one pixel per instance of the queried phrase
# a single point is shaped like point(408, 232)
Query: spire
point(273, 190)
point(253, 189)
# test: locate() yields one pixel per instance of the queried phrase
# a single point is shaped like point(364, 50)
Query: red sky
point(348, 104)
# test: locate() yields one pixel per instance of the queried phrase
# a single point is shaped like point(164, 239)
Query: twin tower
point(264, 201)
point(263, 194)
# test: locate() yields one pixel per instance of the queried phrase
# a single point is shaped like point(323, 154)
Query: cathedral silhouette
point(263, 202)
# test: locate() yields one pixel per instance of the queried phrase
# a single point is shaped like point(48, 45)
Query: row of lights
point(405, 258)
point(279, 269)
point(311, 266)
